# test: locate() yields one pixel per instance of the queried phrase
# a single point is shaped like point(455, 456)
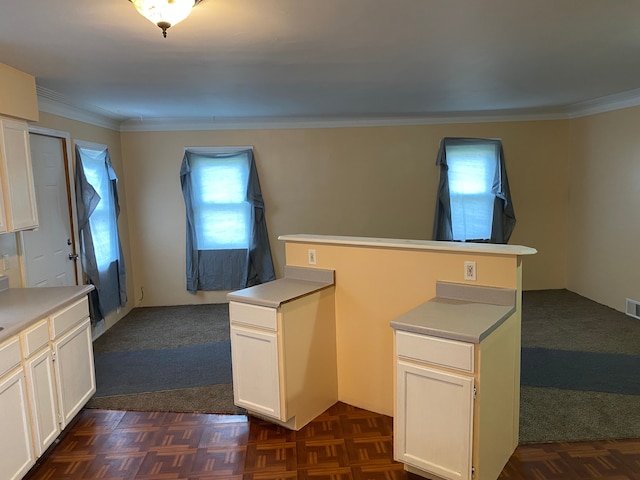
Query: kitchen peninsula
point(382, 291)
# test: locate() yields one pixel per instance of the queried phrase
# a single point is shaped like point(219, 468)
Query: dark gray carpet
point(561, 408)
point(556, 415)
point(583, 371)
point(143, 371)
point(209, 399)
point(173, 358)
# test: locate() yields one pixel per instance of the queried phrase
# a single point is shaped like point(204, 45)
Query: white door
point(48, 253)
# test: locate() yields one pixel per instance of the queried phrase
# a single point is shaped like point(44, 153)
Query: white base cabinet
point(46, 376)
point(284, 359)
point(456, 403)
point(16, 448)
point(434, 405)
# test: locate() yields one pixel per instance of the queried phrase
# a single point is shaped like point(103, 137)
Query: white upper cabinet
point(19, 211)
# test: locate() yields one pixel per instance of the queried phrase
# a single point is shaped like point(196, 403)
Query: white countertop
point(453, 319)
point(273, 294)
point(459, 312)
point(492, 248)
point(21, 307)
point(298, 281)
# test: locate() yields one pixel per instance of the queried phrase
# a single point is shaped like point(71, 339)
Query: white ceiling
point(327, 58)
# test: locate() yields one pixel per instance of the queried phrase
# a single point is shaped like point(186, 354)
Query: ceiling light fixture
point(164, 13)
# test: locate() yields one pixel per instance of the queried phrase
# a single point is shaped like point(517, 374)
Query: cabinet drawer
point(70, 316)
point(9, 355)
point(35, 338)
point(254, 315)
point(438, 351)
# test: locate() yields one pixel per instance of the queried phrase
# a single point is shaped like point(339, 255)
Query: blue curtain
point(504, 218)
point(110, 282)
point(228, 269)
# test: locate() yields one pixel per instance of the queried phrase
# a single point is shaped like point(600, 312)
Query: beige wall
point(381, 181)
point(604, 202)
point(376, 181)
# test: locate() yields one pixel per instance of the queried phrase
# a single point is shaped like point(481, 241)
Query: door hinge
point(53, 356)
point(473, 471)
point(475, 392)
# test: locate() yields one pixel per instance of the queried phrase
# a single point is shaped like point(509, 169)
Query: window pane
point(103, 219)
point(222, 214)
point(471, 173)
point(221, 181)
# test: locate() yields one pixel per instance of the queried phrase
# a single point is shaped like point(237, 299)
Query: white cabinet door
point(16, 450)
point(256, 379)
point(42, 398)
point(434, 424)
point(75, 373)
point(17, 176)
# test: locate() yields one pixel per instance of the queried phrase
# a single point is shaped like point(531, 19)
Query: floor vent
point(633, 308)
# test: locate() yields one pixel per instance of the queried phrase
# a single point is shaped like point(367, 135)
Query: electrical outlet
point(5, 261)
point(470, 271)
point(312, 256)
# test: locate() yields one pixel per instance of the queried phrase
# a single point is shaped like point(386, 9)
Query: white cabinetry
point(41, 385)
point(46, 377)
point(456, 410)
point(16, 449)
point(73, 354)
point(284, 358)
point(19, 211)
point(434, 405)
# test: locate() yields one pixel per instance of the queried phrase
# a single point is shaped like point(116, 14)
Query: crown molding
point(54, 103)
point(618, 101)
point(273, 123)
point(57, 104)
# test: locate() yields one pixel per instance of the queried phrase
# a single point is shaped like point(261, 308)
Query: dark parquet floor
point(343, 443)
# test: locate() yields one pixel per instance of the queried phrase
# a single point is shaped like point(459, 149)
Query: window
point(227, 241)
point(474, 202)
point(97, 207)
point(222, 214)
point(102, 220)
point(472, 169)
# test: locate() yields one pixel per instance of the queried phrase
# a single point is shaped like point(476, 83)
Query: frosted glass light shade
point(164, 13)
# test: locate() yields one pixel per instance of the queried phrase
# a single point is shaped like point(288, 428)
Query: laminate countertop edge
point(22, 307)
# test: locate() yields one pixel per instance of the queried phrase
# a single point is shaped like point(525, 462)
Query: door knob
point(73, 256)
